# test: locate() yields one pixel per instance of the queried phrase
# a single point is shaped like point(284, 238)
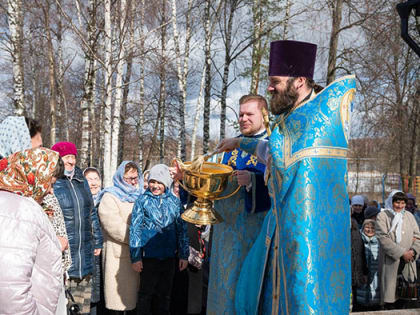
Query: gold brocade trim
point(319, 151)
point(350, 76)
point(330, 152)
point(344, 109)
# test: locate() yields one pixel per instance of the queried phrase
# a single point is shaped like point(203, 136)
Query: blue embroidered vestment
point(300, 262)
point(243, 215)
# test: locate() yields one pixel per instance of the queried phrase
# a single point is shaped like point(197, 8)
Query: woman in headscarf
point(31, 277)
point(115, 207)
point(18, 133)
point(399, 238)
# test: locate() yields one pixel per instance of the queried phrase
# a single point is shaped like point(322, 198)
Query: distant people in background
point(357, 207)
point(31, 275)
point(371, 213)
point(373, 203)
point(82, 224)
point(18, 133)
point(157, 236)
point(399, 238)
point(93, 177)
point(97, 303)
point(358, 262)
point(146, 179)
point(198, 276)
point(411, 204)
point(368, 294)
point(115, 208)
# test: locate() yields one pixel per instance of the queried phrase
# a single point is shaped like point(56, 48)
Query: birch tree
point(141, 83)
point(358, 13)
point(182, 71)
point(162, 89)
point(87, 102)
point(127, 78)
point(198, 109)
point(118, 88)
point(108, 94)
point(230, 9)
point(46, 8)
point(15, 20)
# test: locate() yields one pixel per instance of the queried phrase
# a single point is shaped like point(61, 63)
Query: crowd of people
point(124, 249)
point(385, 245)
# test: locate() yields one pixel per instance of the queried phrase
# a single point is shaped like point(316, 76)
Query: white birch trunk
point(198, 110)
point(141, 90)
point(207, 88)
point(51, 74)
point(90, 74)
point(118, 92)
point(15, 19)
point(94, 122)
point(108, 96)
point(182, 74)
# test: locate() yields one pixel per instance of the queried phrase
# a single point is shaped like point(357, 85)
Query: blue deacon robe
point(300, 262)
point(243, 215)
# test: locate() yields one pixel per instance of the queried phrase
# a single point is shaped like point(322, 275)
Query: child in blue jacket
point(157, 236)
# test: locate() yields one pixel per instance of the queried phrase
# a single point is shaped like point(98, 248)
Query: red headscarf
point(28, 173)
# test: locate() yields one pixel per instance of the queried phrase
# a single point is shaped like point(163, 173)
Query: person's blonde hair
point(262, 102)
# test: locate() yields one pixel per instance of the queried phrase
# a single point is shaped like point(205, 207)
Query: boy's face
point(156, 187)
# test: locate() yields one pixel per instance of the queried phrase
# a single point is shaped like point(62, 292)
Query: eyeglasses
point(131, 179)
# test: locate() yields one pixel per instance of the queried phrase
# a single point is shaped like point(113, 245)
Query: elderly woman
point(115, 207)
point(399, 239)
point(30, 260)
point(82, 224)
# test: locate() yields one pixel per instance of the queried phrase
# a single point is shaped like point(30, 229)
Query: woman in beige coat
point(399, 238)
point(121, 282)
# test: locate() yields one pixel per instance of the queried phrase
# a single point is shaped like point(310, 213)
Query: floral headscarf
point(14, 135)
point(28, 173)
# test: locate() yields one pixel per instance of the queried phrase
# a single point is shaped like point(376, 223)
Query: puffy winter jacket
point(82, 224)
point(30, 258)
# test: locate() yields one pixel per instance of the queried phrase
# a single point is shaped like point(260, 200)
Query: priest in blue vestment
point(300, 262)
point(242, 214)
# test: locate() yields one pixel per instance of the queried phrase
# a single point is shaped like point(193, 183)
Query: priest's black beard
point(283, 101)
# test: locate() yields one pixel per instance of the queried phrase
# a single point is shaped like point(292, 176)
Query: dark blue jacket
point(82, 223)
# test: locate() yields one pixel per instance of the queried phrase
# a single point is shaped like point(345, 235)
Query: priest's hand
point(243, 177)
point(229, 144)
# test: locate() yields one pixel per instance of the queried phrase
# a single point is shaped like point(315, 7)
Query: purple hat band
point(292, 59)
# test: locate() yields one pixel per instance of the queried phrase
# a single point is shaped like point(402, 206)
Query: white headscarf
point(14, 135)
point(398, 217)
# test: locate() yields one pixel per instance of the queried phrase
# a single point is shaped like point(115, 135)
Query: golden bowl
point(206, 184)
